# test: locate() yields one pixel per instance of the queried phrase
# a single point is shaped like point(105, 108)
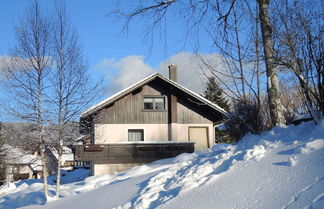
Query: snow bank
point(30, 192)
point(312, 145)
point(257, 152)
point(8, 188)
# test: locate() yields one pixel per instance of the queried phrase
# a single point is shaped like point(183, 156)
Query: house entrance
point(199, 135)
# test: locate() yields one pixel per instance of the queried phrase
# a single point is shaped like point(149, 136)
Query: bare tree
point(72, 89)
point(26, 75)
point(292, 98)
point(47, 77)
point(299, 33)
point(3, 166)
point(271, 66)
point(201, 15)
point(236, 48)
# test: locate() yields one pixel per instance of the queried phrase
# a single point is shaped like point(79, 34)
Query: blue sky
point(100, 35)
point(121, 59)
point(110, 52)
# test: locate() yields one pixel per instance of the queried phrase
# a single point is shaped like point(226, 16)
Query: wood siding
point(187, 115)
point(129, 109)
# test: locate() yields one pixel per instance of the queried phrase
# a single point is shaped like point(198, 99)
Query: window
point(135, 135)
point(154, 103)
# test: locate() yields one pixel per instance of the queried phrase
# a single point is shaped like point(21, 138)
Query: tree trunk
point(40, 122)
point(45, 172)
point(59, 162)
point(257, 55)
point(272, 77)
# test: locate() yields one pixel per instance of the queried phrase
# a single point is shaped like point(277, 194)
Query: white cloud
point(121, 73)
point(7, 62)
point(191, 72)
point(11, 64)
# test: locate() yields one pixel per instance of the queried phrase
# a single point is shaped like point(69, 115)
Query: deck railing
point(132, 150)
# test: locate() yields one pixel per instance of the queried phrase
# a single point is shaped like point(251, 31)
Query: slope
point(281, 168)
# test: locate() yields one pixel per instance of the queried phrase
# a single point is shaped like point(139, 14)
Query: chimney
point(173, 72)
point(172, 106)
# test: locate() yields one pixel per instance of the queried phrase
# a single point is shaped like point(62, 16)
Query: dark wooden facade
point(129, 109)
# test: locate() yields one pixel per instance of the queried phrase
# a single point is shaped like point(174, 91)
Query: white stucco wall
point(22, 169)
point(99, 169)
point(111, 133)
point(114, 133)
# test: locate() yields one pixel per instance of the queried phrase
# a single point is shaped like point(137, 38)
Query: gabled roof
point(17, 156)
point(143, 82)
point(67, 154)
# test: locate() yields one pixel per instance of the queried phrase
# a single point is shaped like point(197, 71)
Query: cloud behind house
point(121, 73)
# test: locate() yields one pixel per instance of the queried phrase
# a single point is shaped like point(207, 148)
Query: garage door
point(199, 135)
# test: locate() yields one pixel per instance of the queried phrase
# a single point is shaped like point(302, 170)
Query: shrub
point(244, 118)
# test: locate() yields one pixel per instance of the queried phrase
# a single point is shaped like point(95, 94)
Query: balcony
point(131, 151)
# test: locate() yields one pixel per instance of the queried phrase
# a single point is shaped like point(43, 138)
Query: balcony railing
point(132, 151)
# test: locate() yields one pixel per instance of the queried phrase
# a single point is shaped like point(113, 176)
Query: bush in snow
point(244, 118)
point(224, 136)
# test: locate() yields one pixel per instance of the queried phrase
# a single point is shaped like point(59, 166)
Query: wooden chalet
point(154, 118)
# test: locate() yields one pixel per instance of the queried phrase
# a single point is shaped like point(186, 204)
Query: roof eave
point(128, 90)
point(117, 96)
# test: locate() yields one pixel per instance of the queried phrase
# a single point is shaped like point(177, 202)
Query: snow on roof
point(67, 154)
point(221, 127)
point(37, 165)
point(142, 82)
point(81, 138)
point(17, 156)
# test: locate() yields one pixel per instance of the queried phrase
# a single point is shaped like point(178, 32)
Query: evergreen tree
point(214, 93)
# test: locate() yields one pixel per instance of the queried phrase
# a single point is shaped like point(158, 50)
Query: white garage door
point(199, 135)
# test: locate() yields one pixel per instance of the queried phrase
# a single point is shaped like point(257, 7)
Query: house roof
point(142, 82)
point(67, 154)
point(16, 156)
point(81, 139)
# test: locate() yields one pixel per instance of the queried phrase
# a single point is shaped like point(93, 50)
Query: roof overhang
point(141, 83)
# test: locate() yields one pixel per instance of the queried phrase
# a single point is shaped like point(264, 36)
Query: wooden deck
point(142, 151)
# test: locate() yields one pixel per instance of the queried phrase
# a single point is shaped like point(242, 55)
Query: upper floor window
point(154, 103)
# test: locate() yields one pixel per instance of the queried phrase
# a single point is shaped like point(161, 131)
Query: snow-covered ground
point(281, 168)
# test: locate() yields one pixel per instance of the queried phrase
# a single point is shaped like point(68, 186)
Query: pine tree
point(214, 93)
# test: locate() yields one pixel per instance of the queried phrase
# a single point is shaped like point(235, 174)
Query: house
point(67, 160)
point(21, 164)
point(154, 118)
point(81, 140)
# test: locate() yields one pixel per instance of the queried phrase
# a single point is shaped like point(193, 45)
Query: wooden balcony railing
point(132, 151)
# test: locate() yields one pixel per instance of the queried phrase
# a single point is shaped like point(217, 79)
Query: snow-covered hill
point(281, 168)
